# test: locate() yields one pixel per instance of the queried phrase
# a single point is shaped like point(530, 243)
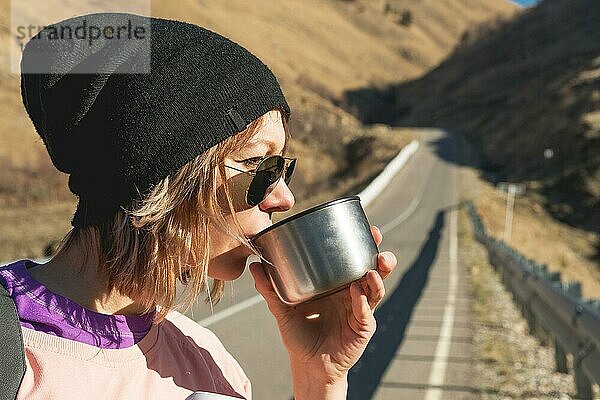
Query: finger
point(386, 262)
point(363, 320)
point(376, 235)
point(376, 289)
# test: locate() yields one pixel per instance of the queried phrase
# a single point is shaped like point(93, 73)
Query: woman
point(166, 168)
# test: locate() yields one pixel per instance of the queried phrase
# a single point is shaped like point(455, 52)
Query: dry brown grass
point(339, 45)
point(540, 237)
point(317, 49)
point(26, 231)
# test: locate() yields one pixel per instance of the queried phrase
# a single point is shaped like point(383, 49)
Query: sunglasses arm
point(241, 170)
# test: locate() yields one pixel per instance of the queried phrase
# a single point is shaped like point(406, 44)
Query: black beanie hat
point(118, 132)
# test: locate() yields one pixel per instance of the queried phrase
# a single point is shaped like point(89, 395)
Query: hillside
point(318, 49)
point(528, 91)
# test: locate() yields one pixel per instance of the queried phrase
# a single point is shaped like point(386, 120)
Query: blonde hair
point(144, 250)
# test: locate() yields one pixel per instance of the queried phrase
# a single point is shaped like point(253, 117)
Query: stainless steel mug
point(318, 251)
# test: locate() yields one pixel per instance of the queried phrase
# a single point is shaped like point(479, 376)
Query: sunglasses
point(265, 177)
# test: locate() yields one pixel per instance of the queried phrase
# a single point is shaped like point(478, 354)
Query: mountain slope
point(317, 48)
point(528, 91)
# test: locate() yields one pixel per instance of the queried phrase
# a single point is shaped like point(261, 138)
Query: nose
point(279, 200)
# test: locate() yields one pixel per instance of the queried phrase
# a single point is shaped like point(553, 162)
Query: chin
point(230, 265)
point(230, 274)
point(238, 273)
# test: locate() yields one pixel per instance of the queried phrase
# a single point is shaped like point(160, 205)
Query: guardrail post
point(530, 320)
point(572, 288)
point(560, 358)
point(543, 336)
point(582, 383)
point(517, 302)
point(594, 304)
point(554, 276)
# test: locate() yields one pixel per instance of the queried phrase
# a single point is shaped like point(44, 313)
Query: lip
point(253, 235)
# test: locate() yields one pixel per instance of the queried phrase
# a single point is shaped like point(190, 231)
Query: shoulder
point(192, 329)
point(179, 325)
point(197, 339)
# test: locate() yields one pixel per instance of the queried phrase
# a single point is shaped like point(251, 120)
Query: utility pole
point(512, 190)
point(508, 215)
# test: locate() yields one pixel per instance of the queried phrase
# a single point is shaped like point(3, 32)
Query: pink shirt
point(174, 360)
point(70, 354)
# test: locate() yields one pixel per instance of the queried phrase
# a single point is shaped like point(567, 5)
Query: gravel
point(510, 363)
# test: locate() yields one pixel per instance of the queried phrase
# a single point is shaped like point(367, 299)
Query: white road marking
point(229, 311)
point(440, 361)
point(414, 204)
point(380, 183)
point(402, 217)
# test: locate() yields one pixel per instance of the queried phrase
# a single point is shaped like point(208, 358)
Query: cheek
point(237, 187)
point(227, 255)
point(222, 243)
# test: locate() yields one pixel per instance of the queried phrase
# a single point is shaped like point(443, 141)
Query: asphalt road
point(422, 346)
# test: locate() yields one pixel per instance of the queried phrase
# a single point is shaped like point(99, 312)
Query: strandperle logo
point(86, 41)
point(82, 31)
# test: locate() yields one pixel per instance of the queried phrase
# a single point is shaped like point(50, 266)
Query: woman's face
point(228, 256)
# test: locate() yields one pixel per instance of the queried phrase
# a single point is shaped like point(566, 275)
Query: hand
point(330, 344)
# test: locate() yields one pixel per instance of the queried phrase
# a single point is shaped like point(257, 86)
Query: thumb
point(263, 285)
point(261, 280)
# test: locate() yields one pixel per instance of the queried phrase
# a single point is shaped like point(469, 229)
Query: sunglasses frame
point(287, 162)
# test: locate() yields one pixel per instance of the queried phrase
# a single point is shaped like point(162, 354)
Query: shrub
point(406, 18)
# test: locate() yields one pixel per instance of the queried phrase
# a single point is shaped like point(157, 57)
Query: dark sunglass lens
point(289, 172)
point(265, 179)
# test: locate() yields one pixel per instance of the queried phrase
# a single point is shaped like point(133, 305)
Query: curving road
point(422, 346)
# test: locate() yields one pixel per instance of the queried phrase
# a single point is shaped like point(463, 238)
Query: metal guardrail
point(555, 312)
